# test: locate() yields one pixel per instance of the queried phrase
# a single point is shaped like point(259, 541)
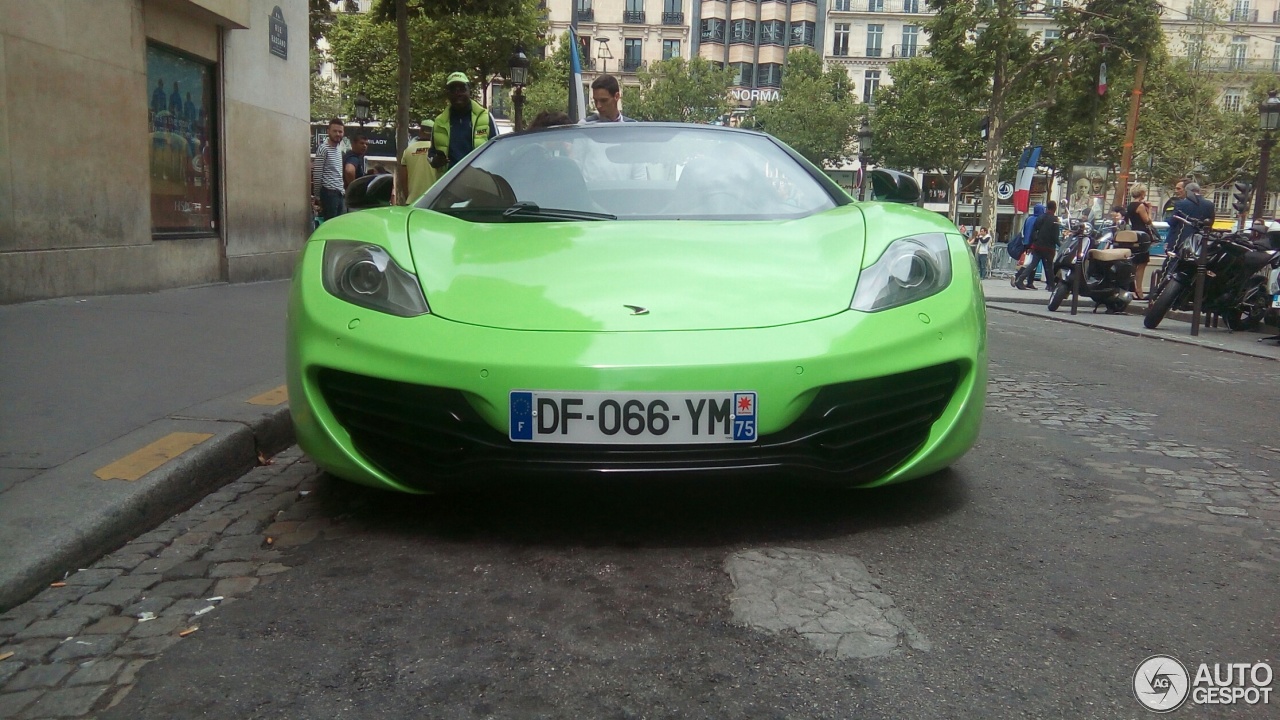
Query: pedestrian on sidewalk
point(354, 164)
point(463, 126)
point(415, 174)
point(981, 244)
point(1138, 213)
point(326, 172)
point(1045, 236)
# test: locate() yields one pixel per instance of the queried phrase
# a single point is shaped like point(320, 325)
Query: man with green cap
point(464, 126)
point(415, 173)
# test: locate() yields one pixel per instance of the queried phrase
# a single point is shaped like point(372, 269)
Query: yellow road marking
point(271, 397)
point(144, 460)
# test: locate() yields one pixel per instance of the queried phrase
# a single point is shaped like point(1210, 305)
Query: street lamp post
point(519, 75)
point(1269, 122)
point(604, 54)
point(362, 109)
point(864, 148)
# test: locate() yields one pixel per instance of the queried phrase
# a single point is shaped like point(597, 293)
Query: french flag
point(577, 101)
point(1026, 170)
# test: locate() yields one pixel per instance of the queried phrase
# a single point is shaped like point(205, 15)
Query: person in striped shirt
point(326, 172)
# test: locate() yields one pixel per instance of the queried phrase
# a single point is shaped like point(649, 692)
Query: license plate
point(607, 418)
point(1275, 301)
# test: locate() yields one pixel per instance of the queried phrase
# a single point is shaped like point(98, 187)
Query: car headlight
point(365, 275)
point(910, 269)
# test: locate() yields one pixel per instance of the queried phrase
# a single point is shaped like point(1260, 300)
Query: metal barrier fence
point(1002, 266)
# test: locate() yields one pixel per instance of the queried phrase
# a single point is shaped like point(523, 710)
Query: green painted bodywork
point(733, 305)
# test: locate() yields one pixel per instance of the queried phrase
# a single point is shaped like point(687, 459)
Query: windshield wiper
point(524, 208)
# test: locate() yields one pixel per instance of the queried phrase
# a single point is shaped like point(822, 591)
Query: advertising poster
point(180, 124)
point(1087, 187)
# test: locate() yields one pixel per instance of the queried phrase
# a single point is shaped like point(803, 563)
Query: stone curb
point(1002, 305)
point(65, 518)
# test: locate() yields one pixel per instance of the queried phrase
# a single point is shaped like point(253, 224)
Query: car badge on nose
point(637, 310)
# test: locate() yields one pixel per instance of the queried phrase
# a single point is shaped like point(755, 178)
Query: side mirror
point(894, 186)
point(370, 191)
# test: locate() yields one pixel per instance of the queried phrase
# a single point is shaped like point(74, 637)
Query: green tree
point(817, 114)
point(991, 62)
point(679, 90)
point(918, 124)
point(549, 87)
point(366, 51)
point(326, 102)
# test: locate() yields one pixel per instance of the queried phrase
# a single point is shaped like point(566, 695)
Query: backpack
point(1016, 246)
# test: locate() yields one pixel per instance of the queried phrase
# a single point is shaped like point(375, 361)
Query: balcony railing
point(1244, 16)
point(1231, 64)
point(586, 15)
point(672, 18)
point(874, 52)
point(630, 65)
point(906, 51)
point(633, 17)
point(1201, 12)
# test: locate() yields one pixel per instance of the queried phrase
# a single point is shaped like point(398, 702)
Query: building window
point(875, 38)
point(870, 83)
point(673, 12)
point(841, 45)
point(712, 30)
point(631, 53)
point(670, 49)
point(742, 31)
point(1275, 56)
point(634, 14)
point(772, 32)
point(1241, 14)
point(584, 10)
point(802, 33)
point(1051, 34)
point(875, 5)
point(842, 5)
point(1053, 5)
point(1239, 45)
point(1222, 202)
point(769, 75)
point(1233, 100)
point(742, 73)
point(910, 6)
point(910, 36)
point(183, 144)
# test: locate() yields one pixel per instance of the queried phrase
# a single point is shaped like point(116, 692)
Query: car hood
point(637, 275)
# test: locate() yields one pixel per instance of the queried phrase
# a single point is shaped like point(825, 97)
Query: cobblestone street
point(77, 646)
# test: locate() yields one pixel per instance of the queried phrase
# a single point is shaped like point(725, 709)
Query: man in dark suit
point(1191, 205)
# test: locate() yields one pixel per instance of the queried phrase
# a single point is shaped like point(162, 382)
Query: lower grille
point(431, 438)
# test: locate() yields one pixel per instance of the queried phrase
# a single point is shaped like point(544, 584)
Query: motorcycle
point(1235, 279)
point(1105, 268)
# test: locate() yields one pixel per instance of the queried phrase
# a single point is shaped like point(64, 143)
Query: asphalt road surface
point(1123, 502)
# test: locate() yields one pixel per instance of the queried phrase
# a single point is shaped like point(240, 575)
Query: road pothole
point(829, 600)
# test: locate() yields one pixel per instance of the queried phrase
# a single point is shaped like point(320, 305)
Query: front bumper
point(421, 404)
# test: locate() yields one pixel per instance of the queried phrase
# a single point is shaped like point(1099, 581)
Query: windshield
point(630, 171)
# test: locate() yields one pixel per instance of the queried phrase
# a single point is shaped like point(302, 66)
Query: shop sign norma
point(279, 34)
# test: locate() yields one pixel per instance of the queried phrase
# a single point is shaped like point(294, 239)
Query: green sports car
point(635, 298)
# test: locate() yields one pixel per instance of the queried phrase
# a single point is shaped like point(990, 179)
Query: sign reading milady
point(279, 34)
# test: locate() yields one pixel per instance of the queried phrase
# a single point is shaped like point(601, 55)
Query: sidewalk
point(1176, 327)
point(120, 411)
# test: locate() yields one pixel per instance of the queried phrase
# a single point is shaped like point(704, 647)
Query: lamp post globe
point(518, 75)
point(1268, 122)
point(362, 108)
point(864, 148)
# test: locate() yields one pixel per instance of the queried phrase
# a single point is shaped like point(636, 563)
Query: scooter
point(1102, 258)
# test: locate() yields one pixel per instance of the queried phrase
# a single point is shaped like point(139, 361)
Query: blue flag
point(577, 101)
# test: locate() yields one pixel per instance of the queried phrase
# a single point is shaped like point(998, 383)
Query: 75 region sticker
point(744, 416)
